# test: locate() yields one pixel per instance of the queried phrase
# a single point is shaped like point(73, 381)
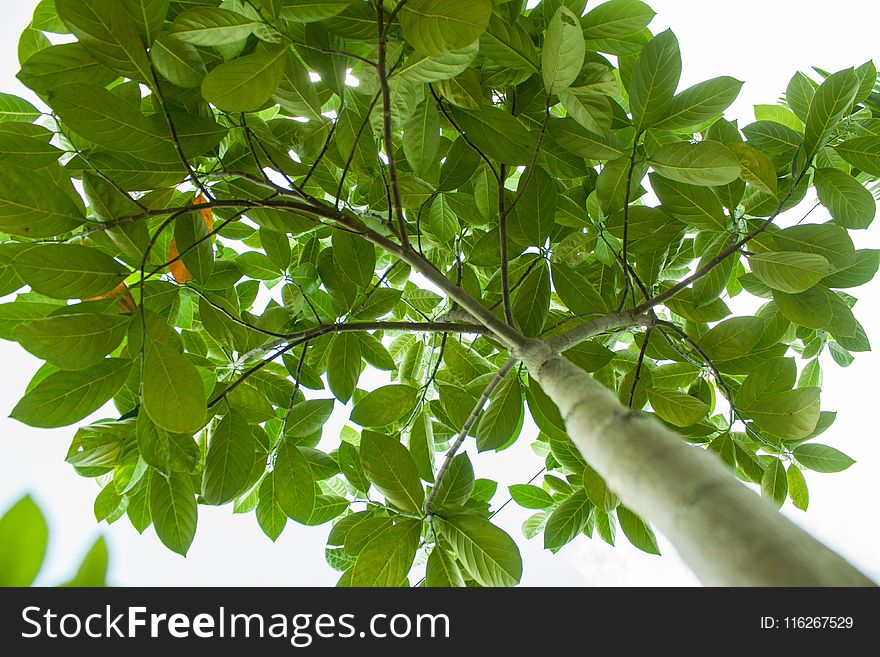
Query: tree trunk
point(726, 533)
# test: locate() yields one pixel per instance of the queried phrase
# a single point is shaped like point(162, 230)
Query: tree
point(278, 199)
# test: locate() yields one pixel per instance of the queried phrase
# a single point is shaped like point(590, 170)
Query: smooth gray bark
point(725, 532)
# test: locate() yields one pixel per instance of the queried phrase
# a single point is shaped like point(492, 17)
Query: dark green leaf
point(392, 470)
point(64, 397)
point(487, 553)
point(173, 510)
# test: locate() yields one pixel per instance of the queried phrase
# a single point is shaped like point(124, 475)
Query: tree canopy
point(235, 215)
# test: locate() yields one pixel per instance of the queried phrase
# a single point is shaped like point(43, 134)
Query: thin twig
point(460, 132)
point(502, 234)
point(638, 372)
point(387, 128)
point(465, 429)
point(174, 137)
point(627, 283)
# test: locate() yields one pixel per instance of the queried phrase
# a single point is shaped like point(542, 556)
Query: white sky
point(760, 41)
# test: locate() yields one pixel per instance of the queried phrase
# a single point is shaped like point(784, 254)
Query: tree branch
point(354, 327)
point(723, 255)
point(638, 373)
point(461, 134)
point(174, 137)
point(502, 234)
point(627, 283)
point(387, 128)
point(465, 429)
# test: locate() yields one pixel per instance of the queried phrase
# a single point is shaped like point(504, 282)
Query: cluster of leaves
point(257, 183)
point(24, 537)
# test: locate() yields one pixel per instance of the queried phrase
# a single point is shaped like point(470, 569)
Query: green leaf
point(563, 54)
point(64, 397)
point(567, 520)
point(153, 444)
point(589, 109)
point(457, 485)
point(774, 375)
point(105, 29)
point(174, 510)
point(270, 515)
point(498, 134)
point(578, 140)
point(757, 169)
point(589, 356)
point(375, 353)
point(791, 414)
point(776, 141)
point(499, 423)
point(508, 44)
point(92, 570)
point(705, 163)
point(386, 560)
point(232, 457)
point(148, 16)
point(789, 271)
point(699, 103)
point(52, 67)
point(67, 271)
point(799, 94)
point(691, 204)
point(344, 367)
point(245, 84)
point(423, 68)
point(392, 470)
point(862, 152)
point(530, 497)
point(597, 490)
point(421, 139)
point(827, 240)
point(862, 270)
point(732, 337)
point(822, 458)
point(797, 487)
point(24, 535)
point(616, 18)
point(309, 11)
point(774, 483)
point(194, 245)
point(13, 108)
point(532, 301)
point(33, 204)
point(442, 571)
point(487, 553)
point(676, 407)
point(674, 375)
point(811, 308)
point(442, 220)
point(308, 417)
point(654, 80)
point(255, 264)
point(294, 482)
point(385, 405)
point(212, 26)
point(355, 257)
point(531, 220)
point(637, 531)
point(173, 393)
point(72, 342)
point(832, 100)
point(434, 27)
point(849, 202)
